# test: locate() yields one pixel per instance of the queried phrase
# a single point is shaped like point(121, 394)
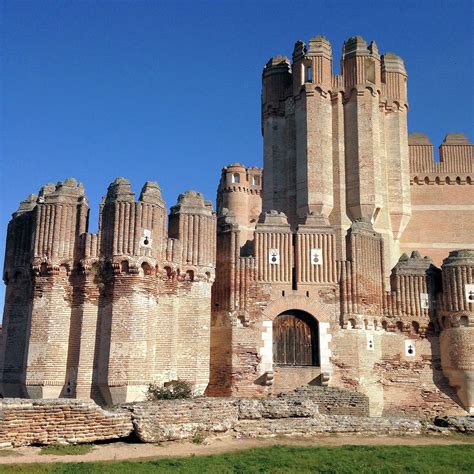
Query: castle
point(348, 261)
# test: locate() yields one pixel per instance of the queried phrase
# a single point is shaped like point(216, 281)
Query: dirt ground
point(138, 451)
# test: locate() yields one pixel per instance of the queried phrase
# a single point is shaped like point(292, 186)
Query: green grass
point(281, 459)
point(67, 449)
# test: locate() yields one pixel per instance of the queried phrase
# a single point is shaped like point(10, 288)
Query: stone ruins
point(346, 262)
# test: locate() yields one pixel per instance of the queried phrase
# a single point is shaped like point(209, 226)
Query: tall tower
point(336, 146)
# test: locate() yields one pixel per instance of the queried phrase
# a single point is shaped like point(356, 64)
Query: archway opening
point(295, 340)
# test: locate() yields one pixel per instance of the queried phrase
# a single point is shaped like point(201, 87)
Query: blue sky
point(170, 90)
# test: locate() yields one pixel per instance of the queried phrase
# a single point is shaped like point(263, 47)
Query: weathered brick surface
point(335, 401)
point(61, 421)
point(294, 414)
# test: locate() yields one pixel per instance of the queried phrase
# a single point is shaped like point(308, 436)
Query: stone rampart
point(59, 421)
point(335, 401)
point(64, 421)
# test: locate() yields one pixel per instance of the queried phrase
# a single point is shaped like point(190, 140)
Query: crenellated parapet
point(455, 165)
point(193, 222)
point(410, 305)
point(131, 230)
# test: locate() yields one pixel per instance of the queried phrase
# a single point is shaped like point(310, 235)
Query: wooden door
point(295, 340)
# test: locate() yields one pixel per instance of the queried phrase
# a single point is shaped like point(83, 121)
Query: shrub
point(198, 438)
point(174, 390)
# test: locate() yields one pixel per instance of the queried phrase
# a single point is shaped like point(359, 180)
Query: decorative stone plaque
point(274, 256)
point(470, 293)
point(424, 300)
point(410, 348)
point(146, 238)
point(370, 342)
point(316, 256)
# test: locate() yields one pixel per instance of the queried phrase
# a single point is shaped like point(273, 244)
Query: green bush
point(198, 438)
point(174, 390)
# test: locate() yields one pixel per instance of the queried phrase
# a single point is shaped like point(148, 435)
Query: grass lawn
point(276, 459)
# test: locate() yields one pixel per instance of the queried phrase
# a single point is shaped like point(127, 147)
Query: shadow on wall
point(439, 379)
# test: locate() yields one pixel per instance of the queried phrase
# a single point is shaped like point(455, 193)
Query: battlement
point(361, 67)
point(237, 177)
point(456, 163)
point(50, 230)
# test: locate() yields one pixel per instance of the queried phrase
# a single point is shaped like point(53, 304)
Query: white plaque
point(470, 293)
point(146, 238)
point(424, 300)
point(274, 256)
point(410, 348)
point(316, 256)
point(370, 342)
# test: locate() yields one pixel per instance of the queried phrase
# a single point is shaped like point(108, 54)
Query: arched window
point(255, 180)
point(295, 339)
point(236, 178)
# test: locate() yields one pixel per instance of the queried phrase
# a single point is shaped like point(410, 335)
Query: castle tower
point(60, 217)
point(312, 81)
point(336, 146)
point(18, 296)
point(457, 324)
point(131, 235)
point(278, 128)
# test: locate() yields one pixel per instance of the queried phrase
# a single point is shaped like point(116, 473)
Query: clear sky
point(170, 90)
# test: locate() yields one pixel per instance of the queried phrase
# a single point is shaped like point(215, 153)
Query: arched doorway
point(295, 340)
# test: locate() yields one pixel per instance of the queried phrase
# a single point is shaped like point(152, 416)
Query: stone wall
point(334, 401)
point(25, 422)
point(61, 421)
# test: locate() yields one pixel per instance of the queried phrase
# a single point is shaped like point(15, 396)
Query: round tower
point(457, 324)
point(239, 192)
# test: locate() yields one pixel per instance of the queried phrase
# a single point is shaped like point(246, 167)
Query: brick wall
point(27, 422)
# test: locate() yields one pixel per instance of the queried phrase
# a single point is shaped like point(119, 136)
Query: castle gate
point(295, 340)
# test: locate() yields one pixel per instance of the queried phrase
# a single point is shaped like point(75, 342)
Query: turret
point(129, 228)
point(394, 78)
point(276, 84)
point(360, 64)
point(278, 133)
point(415, 284)
point(18, 295)
point(457, 324)
point(313, 122)
point(18, 253)
point(361, 71)
point(239, 192)
point(192, 221)
point(61, 216)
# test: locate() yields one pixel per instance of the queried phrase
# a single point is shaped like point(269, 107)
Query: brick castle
point(348, 261)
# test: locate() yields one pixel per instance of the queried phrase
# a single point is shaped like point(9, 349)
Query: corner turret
point(457, 323)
